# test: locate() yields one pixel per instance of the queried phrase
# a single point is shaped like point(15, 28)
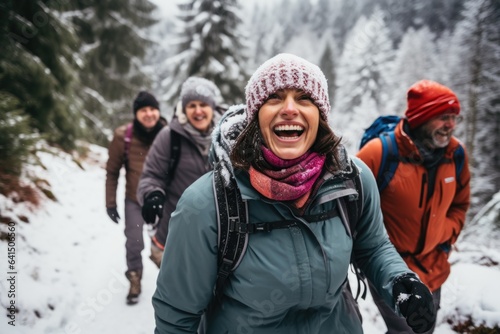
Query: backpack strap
point(175, 152)
point(232, 212)
point(459, 158)
point(350, 211)
point(127, 142)
point(234, 227)
point(390, 160)
point(355, 209)
point(246, 227)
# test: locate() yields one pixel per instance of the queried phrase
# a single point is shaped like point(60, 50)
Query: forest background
point(69, 70)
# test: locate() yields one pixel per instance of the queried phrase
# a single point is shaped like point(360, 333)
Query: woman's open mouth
point(288, 132)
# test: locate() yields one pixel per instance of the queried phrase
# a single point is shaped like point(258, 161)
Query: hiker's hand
point(113, 214)
point(153, 206)
point(415, 302)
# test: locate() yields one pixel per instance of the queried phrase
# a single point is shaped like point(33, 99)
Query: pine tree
point(161, 34)
point(16, 136)
point(37, 67)
point(400, 16)
point(297, 16)
point(267, 35)
point(114, 45)
point(349, 14)
point(365, 63)
point(327, 65)
point(211, 47)
point(363, 70)
point(478, 81)
point(73, 65)
point(415, 60)
point(438, 15)
point(324, 15)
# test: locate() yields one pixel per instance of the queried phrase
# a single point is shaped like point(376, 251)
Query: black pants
point(134, 234)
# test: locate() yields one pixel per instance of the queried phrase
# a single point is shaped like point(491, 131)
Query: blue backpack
point(383, 128)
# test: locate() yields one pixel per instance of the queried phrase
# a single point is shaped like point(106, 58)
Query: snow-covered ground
point(70, 260)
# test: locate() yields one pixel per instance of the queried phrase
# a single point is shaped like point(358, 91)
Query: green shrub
point(16, 136)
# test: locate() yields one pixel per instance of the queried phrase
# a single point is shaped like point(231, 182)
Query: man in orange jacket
point(425, 203)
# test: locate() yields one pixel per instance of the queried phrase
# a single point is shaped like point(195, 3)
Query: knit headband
point(286, 71)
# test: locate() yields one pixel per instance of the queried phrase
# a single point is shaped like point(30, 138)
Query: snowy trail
point(103, 309)
point(101, 284)
point(71, 258)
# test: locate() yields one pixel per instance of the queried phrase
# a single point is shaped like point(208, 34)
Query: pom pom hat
point(286, 71)
point(145, 99)
point(428, 99)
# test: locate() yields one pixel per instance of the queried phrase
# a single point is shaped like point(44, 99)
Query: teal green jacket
point(290, 280)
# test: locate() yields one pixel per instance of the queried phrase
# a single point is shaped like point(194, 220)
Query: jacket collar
point(408, 150)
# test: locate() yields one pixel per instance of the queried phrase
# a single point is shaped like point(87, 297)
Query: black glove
point(113, 214)
point(153, 206)
point(415, 302)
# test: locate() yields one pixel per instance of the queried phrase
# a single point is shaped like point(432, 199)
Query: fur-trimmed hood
point(224, 136)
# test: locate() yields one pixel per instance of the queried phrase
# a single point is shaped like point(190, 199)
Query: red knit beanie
point(428, 99)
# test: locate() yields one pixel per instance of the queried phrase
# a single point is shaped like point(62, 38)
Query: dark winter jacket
point(291, 280)
point(138, 150)
point(422, 227)
point(192, 164)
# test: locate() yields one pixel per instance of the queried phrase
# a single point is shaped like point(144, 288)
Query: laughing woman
point(190, 131)
point(289, 166)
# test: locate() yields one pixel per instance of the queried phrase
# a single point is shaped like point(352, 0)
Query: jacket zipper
point(315, 200)
point(422, 190)
point(425, 220)
point(306, 225)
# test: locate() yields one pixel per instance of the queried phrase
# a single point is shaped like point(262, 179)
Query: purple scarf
point(294, 179)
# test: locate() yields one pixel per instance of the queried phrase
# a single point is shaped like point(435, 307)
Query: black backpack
point(234, 227)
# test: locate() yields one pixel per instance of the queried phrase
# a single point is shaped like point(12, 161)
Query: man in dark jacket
point(129, 148)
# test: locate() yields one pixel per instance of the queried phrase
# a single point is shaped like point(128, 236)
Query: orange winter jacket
point(421, 229)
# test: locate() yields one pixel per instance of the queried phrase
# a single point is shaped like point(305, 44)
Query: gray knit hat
point(196, 89)
point(199, 89)
point(286, 71)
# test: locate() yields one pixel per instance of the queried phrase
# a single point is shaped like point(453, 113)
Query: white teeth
point(289, 138)
point(289, 128)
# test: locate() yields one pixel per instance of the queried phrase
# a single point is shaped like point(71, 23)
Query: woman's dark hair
point(247, 149)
